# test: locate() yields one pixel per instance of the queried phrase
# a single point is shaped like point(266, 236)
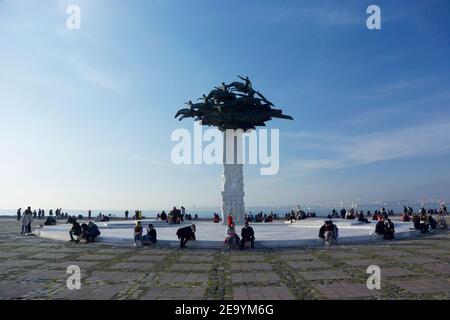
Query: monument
point(232, 107)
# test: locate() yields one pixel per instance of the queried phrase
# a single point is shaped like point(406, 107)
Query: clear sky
point(86, 115)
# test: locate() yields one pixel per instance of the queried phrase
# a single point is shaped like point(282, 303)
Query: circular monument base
point(212, 235)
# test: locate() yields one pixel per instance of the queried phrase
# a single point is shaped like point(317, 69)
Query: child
point(138, 234)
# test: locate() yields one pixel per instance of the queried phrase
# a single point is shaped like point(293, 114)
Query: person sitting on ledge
point(75, 230)
point(432, 222)
point(379, 227)
point(138, 234)
point(405, 217)
point(423, 223)
point(93, 232)
point(185, 234)
point(361, 218)
point(150, 237)
point(389, 229)
point(232, 239)
point(248, 235)
point(329, 232)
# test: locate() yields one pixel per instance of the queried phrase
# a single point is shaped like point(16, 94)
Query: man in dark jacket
point(93, 231)
point(76, 230)
point(247, 234)
point(389, 229)
point(379, 227)
point(329, 232)
point(150, 237)
point(185, 234)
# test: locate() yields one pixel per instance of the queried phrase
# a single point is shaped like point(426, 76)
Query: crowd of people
point(260, 217)
point(384, 227)
point(299, 215)
point(175, 216)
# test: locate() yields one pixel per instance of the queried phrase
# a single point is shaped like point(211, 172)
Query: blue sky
point(86, 115)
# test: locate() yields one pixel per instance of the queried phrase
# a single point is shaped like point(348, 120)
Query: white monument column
point(233, 179)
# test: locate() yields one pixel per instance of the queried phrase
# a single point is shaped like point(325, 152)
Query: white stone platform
point(211, 235)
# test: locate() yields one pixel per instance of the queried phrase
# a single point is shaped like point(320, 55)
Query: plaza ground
point(35, 268)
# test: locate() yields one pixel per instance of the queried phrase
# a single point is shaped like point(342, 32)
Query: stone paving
point(35, 268)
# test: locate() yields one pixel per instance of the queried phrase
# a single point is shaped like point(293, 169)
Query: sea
point(321, 211)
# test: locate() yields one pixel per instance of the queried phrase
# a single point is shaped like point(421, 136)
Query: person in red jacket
point(230, 220)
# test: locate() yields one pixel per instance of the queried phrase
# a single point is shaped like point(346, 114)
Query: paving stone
point(323, 275)
point(250, 266)
point(418, 260)
point(9, 255)
point(396, 272)
point(301, 265)
point(84, 265)
point(43, 275)
point(195, 258)
point(14, 290)
point(19, 264)
point(190, 267)
point(424, 286)
point(345, 255)
point(49, 256)
point(115, 277)
point(175, 279)
point(365, 263)
point(96, 257)
point(149, 258)
point(392, 253)
point(246, 277)
point(133, 266)
point(443, 268)
point(247, 258)
point(262, 293)
point(295, 256)
point(90, 292)
point(114, 251)
point(347, 291)
point(190, 293)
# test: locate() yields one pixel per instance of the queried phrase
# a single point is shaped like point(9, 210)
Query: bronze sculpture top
point(232, 106)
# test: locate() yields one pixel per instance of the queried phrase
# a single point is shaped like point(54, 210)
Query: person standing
point(29, 219)
point(230, 220)
point(126, 214)
point(150, 237)
point(89, 214)
point(19, 214)
point(24, 223)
